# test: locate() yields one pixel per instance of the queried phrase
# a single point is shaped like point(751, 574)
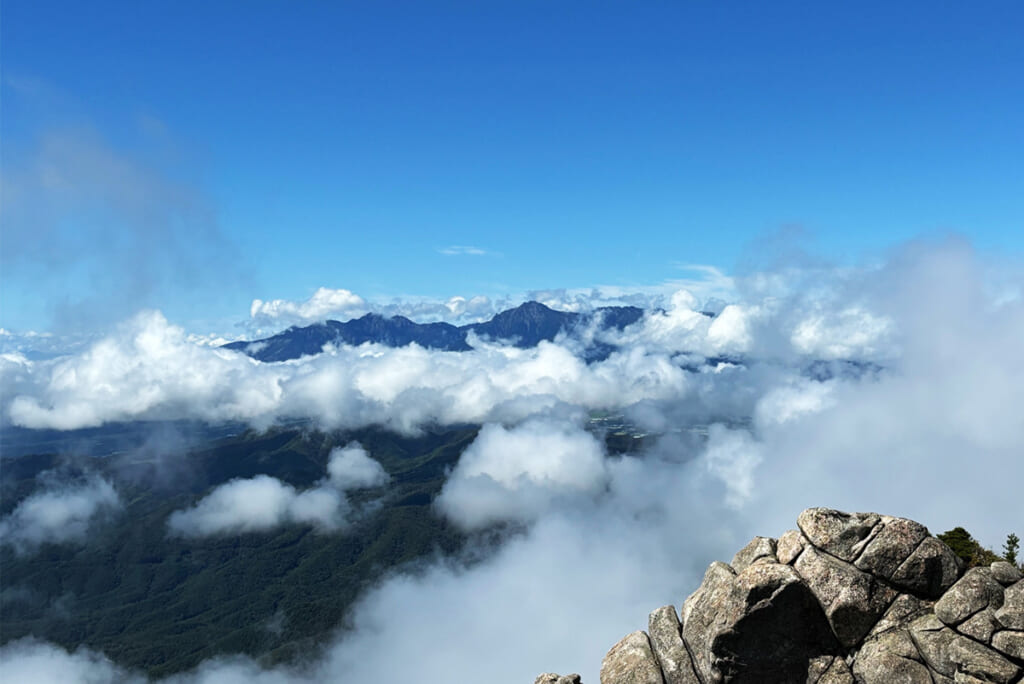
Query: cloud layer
point(267, 317)
point(894, 387)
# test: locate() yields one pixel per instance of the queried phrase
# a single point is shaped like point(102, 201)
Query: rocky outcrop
point(845, 598)
point(549, 678)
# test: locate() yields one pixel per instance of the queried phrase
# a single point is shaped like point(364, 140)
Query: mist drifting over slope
point(895, 387)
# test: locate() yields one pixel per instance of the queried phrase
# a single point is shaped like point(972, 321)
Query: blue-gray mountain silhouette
point(524, 326)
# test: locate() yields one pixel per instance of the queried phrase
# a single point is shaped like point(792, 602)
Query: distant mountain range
point(524, 326)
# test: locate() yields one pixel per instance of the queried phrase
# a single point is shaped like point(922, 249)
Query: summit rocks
point(846, 598)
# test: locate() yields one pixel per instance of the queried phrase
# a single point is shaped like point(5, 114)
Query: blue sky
point(192, 156)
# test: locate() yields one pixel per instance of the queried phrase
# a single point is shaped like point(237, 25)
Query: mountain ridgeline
point(524, 326)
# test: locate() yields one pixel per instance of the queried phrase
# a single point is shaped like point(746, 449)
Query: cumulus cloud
point(258, 504)
point(682, 327)
point(516, 474)
point(261, 503)
point(323, 304)
point(58, 513)
point(350, 467)
point(148, 369)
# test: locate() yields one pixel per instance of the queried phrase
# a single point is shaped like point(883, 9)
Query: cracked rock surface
point(847, 598)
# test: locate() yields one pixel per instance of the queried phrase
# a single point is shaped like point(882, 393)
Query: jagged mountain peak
point(526, 325)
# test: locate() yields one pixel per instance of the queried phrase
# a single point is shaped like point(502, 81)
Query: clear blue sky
point(280, 147)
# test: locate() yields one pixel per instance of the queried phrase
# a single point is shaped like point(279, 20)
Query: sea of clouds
point(918, 415)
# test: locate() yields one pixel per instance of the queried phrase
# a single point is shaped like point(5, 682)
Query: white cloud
point(935, 436)
point(463, 250)
point(262, 502)
point(148, 369)
point(732, 456)
point(517, 474)
point(36, 345)
point(257, 504)
point(57, 513)
point(459, 307)
point(29, 660)
point(323, 304)
point(93, 232)
point(352, 468)
point(321, 507)
point(681, 327)
point(793, 401)
point(208, 340)
point(847, 333)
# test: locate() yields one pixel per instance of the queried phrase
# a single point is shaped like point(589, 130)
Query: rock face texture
point(845, 598)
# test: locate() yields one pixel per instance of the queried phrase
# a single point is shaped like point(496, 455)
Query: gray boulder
point(903, 609)
point(665, 634)
point(701, 613)
point(838, 672)
point(837, 533)
point(890, 657)
point(974, 659)
point(789, 546)
point(1005, 573)
point(759, 549)
point(631, 661)
point(930, 570)
point(1011, 614)
point(948, 653)
point(980, 626)
point(889, 545)
point(762, 625)
point(551, 678)
point(1009, 642)
point(853, 600)
point(973, 592)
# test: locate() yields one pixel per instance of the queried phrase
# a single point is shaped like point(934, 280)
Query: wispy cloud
point(57, 513)
point(464, 250)
point(80, 209)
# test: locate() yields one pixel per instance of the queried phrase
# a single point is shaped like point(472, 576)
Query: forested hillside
point(164, 603)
